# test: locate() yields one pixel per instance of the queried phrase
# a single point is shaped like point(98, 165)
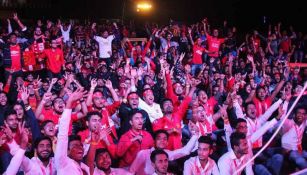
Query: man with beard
point(159, 159)
point(43, 163)
point(171, 122)
point(126, 110)
point(133, 141)
point(202, 163)
point(102, 158)
point(97, 102)
point(69, 151)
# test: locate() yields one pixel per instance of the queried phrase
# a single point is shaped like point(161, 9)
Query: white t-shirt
point(105, 46)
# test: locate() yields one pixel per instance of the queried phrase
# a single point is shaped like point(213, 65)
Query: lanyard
point(198, 170)
point(299, 135)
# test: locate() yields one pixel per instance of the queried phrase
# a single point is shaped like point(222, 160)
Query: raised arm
point(38, 113)
point(20, 24)
point(60, 155)
point(109, 85)
point(90, 93)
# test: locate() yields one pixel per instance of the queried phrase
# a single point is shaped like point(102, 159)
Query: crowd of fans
point(185, 99)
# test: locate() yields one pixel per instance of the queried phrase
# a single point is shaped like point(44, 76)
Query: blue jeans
point(299, 158)
point(195, 67)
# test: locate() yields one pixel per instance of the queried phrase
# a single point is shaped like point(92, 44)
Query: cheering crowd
point(113, 99)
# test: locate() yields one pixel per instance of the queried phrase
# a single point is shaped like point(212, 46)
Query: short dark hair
point(8, 112)
point(41, 138)
point(299, 107)
point(155, 153)
point(44, 123)
point(198, 91)
point(206, 140)
point(165, 100)
point(101, 151)
point(239, 120)
point(235, 139)
point(73, 138)
point(248, 103)
point(160, 131)
point(133, 112)
point(130, 93)
point(90, 114)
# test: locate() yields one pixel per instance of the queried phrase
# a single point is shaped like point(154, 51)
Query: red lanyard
point(253, 126)
point(198, 171)
point(299, 135)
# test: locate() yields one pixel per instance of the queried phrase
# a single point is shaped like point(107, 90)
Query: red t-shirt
point(197, 53)
point(15, 57)
point(262, 106)
point(174, 140)
point(29, 60)
point(51, 115)
point(285, 45)
point(214, 45)
point(55, 59)
point(111, 148)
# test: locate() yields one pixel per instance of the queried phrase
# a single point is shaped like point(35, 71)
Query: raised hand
point(93, 83)
point(193, 128)
point(140, 72)
point(25, 95)
point(37, 82)
point(195, 82)
point(46, 97)
point(15, 17)
point(133, 73)
point(24, 132)
point(7, 131)
point(223, 110)
point(108, 84)
point(53, 81)
point(281, 112)
point(181, 57)
point(250, 58)
point(76, 95)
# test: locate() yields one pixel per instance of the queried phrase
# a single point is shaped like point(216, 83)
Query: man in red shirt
point(197, 56)
point(95, 124)
point(97, 102)
point(54, 59)
point(133, 141)
point(214, 43)
point(171, 122)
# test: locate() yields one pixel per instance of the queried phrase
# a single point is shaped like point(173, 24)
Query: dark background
point(244, 14)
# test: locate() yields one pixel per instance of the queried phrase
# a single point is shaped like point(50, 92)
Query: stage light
point(143, 6)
